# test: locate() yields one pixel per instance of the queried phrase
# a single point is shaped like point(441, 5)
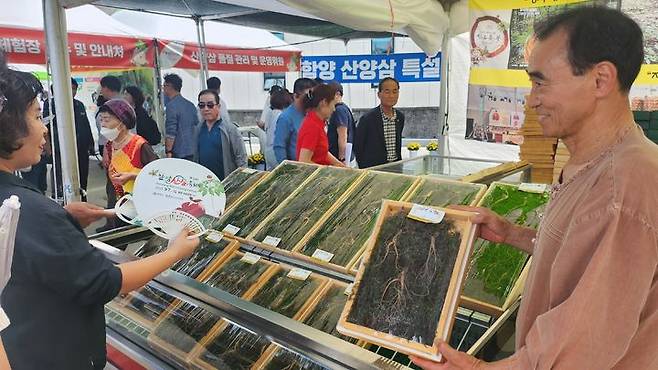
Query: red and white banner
point(28, 46)
point(174, 54)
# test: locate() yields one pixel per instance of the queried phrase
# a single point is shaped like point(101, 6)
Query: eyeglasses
point(210, 105)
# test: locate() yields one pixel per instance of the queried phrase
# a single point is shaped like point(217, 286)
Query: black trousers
point(83, 170)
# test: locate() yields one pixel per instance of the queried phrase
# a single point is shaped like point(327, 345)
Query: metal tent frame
point(269, 15)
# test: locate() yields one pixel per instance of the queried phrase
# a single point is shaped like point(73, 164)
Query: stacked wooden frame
point(497, 271)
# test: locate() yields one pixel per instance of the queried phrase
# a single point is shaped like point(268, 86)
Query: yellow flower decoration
point(432, 146)
point(257, 158)
point(413, 146)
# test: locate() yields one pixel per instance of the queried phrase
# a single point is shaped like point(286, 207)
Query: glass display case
point(246, 315)
point(457, 168)
point(498, 342)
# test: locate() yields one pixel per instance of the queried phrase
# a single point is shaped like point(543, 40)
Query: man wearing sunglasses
point(220, 145)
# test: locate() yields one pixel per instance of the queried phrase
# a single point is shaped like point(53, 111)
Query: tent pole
point(57, 44)
point(443, 98)
point(158, 98)
point(203, 55)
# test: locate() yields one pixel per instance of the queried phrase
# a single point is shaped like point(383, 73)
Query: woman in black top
point(59, 282)
point(146, 126)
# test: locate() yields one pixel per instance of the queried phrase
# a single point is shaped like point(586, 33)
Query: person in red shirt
point(312, 141)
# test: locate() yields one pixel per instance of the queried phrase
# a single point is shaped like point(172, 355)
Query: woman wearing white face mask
point(126, 153)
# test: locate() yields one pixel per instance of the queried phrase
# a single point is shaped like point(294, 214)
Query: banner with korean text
point(501, 38)
point(28, 46)
point(405, 67)
point(174, 54)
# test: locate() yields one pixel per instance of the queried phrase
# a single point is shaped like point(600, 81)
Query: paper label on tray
point(214, 236)
point(299, 274)
point(533, 188)
point(231, 229)
point(250, 258)
point(322, 255)
point(348, 289)
point(249, 170)
point(425, 214)
point(271, 241)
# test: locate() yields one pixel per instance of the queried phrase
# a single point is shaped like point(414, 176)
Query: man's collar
point(7, 178)
point(219, 121)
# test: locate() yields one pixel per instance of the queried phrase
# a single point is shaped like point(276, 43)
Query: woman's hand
point(183, 246)
point(85, 213)
point(122, 178)
point(452, 360)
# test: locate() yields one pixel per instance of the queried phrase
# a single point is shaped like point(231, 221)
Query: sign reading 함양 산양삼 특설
point(405, 67)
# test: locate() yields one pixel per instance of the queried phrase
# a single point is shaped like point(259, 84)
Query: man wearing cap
point(341, 128)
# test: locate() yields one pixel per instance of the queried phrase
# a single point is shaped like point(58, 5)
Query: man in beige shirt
point(591, 299)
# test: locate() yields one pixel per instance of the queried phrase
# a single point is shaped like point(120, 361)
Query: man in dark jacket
point(378, 138)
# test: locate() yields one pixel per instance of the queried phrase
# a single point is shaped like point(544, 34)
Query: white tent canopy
point(84, 19)
point(425, 21)
point(183, 29)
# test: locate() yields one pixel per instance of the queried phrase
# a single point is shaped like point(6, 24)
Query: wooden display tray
point(188, 357)
point(248, 190)
point(448, 312)
point(354, 264)
point(286, 202)
point(493, 171)
point(122, 304)
point(517, 288)
point(271, 351)
point(226, 217)
point(433, 179)
point(194, 357)
point(294, 253)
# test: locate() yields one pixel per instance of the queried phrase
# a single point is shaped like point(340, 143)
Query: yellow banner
point(499, 77)
point(517, 4)
point(519, 78)
point(648, 75)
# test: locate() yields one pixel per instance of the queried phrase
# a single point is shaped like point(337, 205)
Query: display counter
point(246, 302)
point(458, 168)
point(180, 322)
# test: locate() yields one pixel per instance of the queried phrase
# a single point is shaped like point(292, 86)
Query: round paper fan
point(169, 224)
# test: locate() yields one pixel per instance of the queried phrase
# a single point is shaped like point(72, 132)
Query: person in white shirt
point(280, 99)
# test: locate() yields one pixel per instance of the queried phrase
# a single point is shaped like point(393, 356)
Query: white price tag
point(271, 241)
point(214, 236)
point(249, 170)
point(348, 289)
point(533, 188)
point(299, 274)
point(231, 229)
point(250, 258)
point(426, 214)
point(322, 255)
